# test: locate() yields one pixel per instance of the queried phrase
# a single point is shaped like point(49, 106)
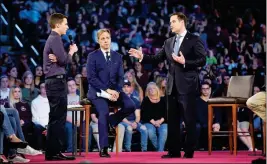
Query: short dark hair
point(205, 83)
point(180, 16)
point(56, 18)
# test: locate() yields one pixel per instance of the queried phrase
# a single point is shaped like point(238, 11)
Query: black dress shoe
point(170, 155)
point(189, 155)
point(58, 157)
point(104, 153)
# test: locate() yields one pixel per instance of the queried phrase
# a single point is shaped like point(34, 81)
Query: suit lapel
point(186, 38)
point(101, 55)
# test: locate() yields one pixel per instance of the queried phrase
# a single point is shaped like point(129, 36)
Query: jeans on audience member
point(14, 119)
point(1, 140)
point(7, 125)
point(257, 123)
point(69, 134)
point(15, 122)
point(160, 140)
point(129, 132)
point(121, 131)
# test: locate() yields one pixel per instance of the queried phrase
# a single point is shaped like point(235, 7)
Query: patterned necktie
point(176, 45)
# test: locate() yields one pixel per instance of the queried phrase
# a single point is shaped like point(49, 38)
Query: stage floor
point(154, 157)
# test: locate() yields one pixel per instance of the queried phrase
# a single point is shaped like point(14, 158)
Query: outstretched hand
point(136, 53)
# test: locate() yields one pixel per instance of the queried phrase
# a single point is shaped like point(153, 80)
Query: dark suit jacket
point(185, 76)
point(102, 75)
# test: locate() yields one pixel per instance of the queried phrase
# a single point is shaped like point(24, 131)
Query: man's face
point(127, 89)
point(42, 89)
point(72, 87)
point(205, 90)
point(4, 83)
point(104, 40)
point(63, 27)
point(176, 24)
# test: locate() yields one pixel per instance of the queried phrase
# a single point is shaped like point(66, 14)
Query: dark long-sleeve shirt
point(154, 111)
point(24, 110)
point(54, 45)
point(202, 112)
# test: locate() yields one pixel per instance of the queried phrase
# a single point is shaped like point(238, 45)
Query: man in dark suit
point(185, 53)
point(105, 73)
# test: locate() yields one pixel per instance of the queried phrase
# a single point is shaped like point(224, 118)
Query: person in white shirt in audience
point(73, 99)
point(40, 114)
point(132, 122)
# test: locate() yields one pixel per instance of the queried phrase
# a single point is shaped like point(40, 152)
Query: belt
point(56, 77)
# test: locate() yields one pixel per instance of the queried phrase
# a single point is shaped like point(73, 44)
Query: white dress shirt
point(104, 52)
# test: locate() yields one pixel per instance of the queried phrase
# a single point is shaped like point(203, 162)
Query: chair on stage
point(239, 90)
point(88, 106)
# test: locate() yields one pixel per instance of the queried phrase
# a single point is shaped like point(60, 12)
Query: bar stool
point(239, 90)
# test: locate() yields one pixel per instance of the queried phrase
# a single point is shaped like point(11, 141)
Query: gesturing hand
point(136, 53)
point(179, 59)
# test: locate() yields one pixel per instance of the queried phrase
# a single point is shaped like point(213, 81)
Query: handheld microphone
point(71, 39)
point(75, 55)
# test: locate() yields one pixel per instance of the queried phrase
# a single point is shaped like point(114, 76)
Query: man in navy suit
point(184, 53)
point(105, 72)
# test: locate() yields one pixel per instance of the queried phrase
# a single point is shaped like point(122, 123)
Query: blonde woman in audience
point(12, 73)
point(20, 119)
point(24, 111)
point(28, 90)
point(161, 82)
point(137, 90)
point(153, 112)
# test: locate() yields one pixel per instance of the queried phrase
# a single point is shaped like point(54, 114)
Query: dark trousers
point(39, 137)
point(181, 105)
point(102, 108)
point(56, 90)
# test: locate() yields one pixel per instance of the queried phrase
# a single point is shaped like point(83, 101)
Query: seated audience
point(13, 76)
point(29, 92)
point(39, 76)
point(132, 122)
point(73, 99)
point(137, 90)
point(153, 112)
point(24, 109)
point(161, 82)
point(40, 115)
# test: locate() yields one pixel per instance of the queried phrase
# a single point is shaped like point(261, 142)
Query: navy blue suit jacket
point(102, 74)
